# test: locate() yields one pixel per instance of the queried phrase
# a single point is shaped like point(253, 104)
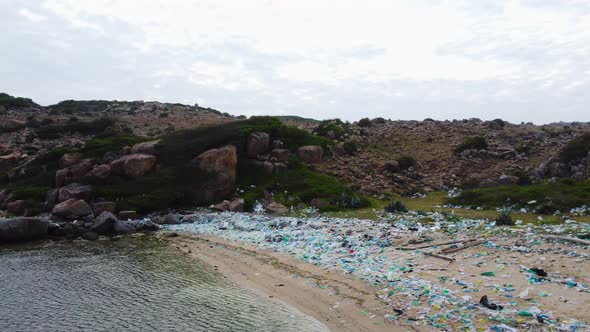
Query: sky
point(526, 60)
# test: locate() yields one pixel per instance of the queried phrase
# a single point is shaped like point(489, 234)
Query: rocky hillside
point(407, 157)
point(137, 157)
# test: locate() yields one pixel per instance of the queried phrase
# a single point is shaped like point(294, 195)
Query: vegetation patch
point(332, 128)
point(577, 148)
point(96, 148)
point(547, 197)
point(93, 127)
point(9, 101)
point(474, 142)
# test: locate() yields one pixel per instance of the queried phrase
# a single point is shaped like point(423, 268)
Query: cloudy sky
point(526, 60)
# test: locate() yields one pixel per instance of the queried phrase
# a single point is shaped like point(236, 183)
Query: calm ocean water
point(133, 284)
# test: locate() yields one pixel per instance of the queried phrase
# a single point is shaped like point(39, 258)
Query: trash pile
point(452, 274)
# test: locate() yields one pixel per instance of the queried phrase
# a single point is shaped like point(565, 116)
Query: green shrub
point(475, 142)
point(76, 106)
point(406, 162)
point(97, 147)
point(163, 115)
point(396, 206)
point(379, 121)
point(577, 148)
point(504, 218)
point(83, 127)
point(501, 123)
point(523, 148)
point(365, 122)
point(523, 177)
point(29, 192)
point(332, 128)
point(350, 147)
point(9, 101)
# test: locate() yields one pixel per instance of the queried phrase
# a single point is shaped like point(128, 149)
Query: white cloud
point(266, 52)
point(29, 15)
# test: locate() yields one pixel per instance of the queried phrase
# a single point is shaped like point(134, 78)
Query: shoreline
point(337, 301)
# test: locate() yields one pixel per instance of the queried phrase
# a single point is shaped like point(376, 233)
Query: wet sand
point(334, 299)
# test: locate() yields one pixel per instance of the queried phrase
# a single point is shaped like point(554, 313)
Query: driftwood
point(436, 244)
point(472, 244)
point(448, 259)
point(568, 239)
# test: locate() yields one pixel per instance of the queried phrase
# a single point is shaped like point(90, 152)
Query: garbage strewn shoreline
point(530, 281)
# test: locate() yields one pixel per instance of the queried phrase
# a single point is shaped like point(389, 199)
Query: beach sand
point(334, 299)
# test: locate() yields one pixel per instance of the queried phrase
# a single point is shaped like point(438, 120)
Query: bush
point(83, 127)
point(406, 162)
point(75, 106)
point(523, 177)
point(365, 122)
point(505, 218)
point(96, 148)
point(550, 196)
point(396, 206)
point(351, 201)
point(523, 149)
point(332, 128)
point(350, 147)
point(163, 115)
point(475, 142)
point(577, 148)
point(9, 101)
point(29, 192)
point(501, 123)
point(379, 121)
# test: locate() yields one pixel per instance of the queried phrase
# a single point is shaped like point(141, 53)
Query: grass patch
point(29, 192)
point(96, 148)
point(560, 195)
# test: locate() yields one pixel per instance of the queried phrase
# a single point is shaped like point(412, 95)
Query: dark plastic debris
point(484, 301)
point(539, 272)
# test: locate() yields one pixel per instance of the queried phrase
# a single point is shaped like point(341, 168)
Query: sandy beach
point(336, 300)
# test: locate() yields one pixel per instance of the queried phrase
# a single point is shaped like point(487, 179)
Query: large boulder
point(12, 124)
point(133, 165)
point(145, 147)
point(72, 209)
point(104, 223)
point(100, 172)
point(310, 154)
point(123, 227)
point(276, 208)
point(170, 219)
point(237, 205)
point(280, 155)
point(100, 207)
point(69, 159)
point(75, 190)
point(73, 173)
point(508, 179)
point(9, 161)
point(258, 143)
point(219, 167)
point(16, 208)
point(127, 215)
point(22, 229)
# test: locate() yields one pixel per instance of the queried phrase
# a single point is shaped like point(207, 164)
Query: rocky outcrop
point(133, 165)
point(126, 215)
point(258, 144)
point(237, 205)
point(145, 147)
point(100, 207)
point(75, 190)
point(12, 124)
point(219, 169)
point(100, 172)
point(69, 159)
point(22, 229)
point(103, 224)
point(72, 209)
point(276, 208)
point(73, 173)
point(280, 155)
point(310, 154)
point(9, 161)
point(16, 208)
